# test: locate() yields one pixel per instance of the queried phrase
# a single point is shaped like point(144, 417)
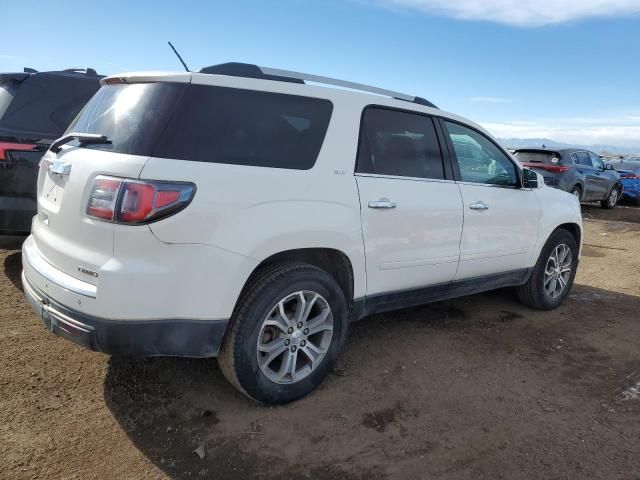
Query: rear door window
point(583, 159)
point(246, 127)
point(399, 144)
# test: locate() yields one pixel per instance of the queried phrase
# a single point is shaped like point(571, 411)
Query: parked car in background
point(35, 109)
point(629, 170)
point(580, 172)
point(240, 213)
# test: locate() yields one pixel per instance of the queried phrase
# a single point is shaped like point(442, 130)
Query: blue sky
point(566, 70)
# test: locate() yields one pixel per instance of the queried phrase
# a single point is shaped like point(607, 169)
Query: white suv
point(242, 213)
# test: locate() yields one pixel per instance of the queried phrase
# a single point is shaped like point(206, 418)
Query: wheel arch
point(573, 228)
point(577, 183)
point(335, 262)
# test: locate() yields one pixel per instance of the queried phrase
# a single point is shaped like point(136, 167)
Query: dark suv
point(579, 172)
point(35, 109)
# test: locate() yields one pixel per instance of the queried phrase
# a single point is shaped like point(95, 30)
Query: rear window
point(538, 157)
point(7, 92)
point(208, 124)
point(132, 117)
point(246, 127)
point(41, 106)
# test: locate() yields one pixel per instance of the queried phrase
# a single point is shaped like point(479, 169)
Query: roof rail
point(265, 73)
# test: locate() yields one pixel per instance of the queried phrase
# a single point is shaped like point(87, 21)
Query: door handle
point(479, 206)
point(382, 203)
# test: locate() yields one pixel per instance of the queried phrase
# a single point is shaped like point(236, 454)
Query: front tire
point(554, 273)
point(612, 199)
point(285, 334)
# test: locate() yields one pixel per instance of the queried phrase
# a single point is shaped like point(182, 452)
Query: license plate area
point(53, 190)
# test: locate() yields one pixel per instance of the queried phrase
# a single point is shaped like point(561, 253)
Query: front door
point(589, 175)
point(604, 178)
point(411, 213)
point(501, 219)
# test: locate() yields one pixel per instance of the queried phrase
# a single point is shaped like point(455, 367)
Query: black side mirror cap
point(529, 179)
point(608, 166)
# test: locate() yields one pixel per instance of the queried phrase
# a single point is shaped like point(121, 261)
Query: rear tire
point(270, 318)
point(543, 291)
point(612, 199)
point(577, 192)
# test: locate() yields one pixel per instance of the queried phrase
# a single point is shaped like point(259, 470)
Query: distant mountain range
point(550, 144)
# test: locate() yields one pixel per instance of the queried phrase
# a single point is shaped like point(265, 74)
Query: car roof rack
point(253, 71)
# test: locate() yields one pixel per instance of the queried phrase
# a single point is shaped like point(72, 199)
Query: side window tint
point(400, 144)
point(246, 127)
point(479, 159)
point(583, 159)
point(596, 161)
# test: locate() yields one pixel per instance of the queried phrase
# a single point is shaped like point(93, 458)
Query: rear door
point(501, 219)
point(411, 210)
point(589, 175)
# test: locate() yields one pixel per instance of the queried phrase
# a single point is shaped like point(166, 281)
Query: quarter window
point(245, 127)
point(399, 144)
point(479, 159)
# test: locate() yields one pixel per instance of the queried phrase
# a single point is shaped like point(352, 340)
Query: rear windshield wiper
point(81, 137)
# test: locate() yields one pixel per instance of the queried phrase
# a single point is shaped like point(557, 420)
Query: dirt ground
point(479, 387)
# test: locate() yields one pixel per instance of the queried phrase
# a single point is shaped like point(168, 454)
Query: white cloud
point(490, 100)
point(621, 132)
point(521, 13)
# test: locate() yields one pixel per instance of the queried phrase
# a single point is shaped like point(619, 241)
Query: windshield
point(132, 117)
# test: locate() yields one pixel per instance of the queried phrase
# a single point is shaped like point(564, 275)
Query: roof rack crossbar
point(339, 83)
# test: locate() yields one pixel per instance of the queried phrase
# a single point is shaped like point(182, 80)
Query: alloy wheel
point(558, 271)
point(295, 337)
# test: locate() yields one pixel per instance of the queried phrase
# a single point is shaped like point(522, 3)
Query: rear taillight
point(630, 176)
point(4, 146)
point(103, 198)
point(123, 200)
point(548, 168)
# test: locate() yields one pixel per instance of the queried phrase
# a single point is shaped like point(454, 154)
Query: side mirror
point(608, 166)
point(530, 179)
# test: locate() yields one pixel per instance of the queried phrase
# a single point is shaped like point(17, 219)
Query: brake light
point(137, 202)
point(4, 146)
point(630, 176)
point(130, 201)
point(548, 168)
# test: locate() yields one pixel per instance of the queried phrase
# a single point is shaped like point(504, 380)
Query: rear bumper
point(167, 337)
point(16, 213)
